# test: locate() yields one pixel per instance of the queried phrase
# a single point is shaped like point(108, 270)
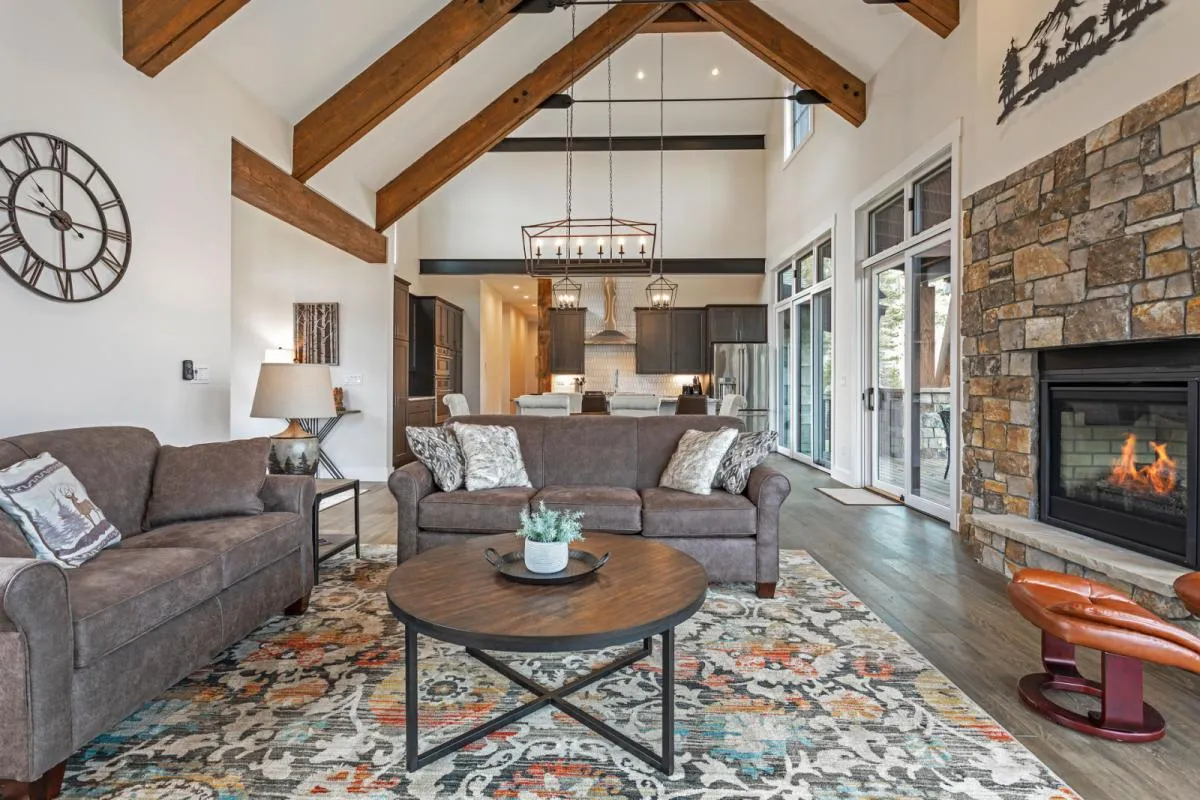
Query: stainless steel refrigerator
point(745, 369)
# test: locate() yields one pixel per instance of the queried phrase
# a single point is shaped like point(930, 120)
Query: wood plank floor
point(921, 580)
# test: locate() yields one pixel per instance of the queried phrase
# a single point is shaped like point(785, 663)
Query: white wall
point(165, 144)
point(713, 206)
point(276, 265)
point(928, 86)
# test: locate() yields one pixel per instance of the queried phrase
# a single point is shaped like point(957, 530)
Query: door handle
point(869, 398)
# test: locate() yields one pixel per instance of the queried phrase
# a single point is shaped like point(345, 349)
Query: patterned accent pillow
point(437, 449)
point(747, 452)
point(696, 459)
point(54, 512)
point(492, 454)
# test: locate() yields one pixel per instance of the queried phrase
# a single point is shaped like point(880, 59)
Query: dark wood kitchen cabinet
point(566, 341)
point(400, 374)
point(739, 324)
point(689, 341)
point(653, 351)
point(436, 351)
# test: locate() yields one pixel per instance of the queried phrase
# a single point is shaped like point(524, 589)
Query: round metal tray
point(580, 564)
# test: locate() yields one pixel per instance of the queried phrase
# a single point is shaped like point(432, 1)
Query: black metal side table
point(326, 545)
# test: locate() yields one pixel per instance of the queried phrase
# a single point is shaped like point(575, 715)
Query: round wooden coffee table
point(453, 594)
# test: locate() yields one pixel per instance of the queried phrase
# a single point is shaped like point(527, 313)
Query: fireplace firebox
point(1120, 438)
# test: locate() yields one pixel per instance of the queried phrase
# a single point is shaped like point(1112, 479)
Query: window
point(887, 224)
point(785, 282)
point(805, 269)
point(931, 200)
point(799, 124)
point(825, 261)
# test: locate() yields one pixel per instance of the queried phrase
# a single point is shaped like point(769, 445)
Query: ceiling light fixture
point(564, 246)
point(660, 294)
point(641, 75)
point(716, 71)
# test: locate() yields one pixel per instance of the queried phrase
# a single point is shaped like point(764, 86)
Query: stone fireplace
point(1095, 244)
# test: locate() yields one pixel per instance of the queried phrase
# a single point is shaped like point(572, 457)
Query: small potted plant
point(548, 536)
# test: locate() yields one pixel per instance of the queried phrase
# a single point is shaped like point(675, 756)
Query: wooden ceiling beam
point(157, 32)
point(679, 18)
point(940, 16)
point(507, 112)
point(394, 79)
point(268, 188)
point(789, 54)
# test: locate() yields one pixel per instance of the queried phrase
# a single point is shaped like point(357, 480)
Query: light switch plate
point(200, 375)
point(353, 380)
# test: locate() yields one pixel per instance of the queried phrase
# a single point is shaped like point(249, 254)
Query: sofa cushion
point(115, 464)
point(208, 481)
point(670, 512)
point(530, 433)
point(125, 592)
point(658, 437)
point(591, 451)
point(484, 510)
point(606, 509)
point(244, 545)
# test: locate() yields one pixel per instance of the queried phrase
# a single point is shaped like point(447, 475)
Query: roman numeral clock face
point(64, 231)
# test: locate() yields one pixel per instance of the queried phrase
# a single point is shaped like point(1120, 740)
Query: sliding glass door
point(909, 400)
point(804, 361)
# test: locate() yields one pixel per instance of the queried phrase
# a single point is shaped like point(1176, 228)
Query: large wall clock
point(64, 231)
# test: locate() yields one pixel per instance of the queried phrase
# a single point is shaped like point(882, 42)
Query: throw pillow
point(747, 452)
point(492, 454)
point(437, 449)
point(206, 481)
point(696, 459)
point(54, 512)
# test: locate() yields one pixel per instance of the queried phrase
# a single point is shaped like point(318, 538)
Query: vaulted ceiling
point(294, 55)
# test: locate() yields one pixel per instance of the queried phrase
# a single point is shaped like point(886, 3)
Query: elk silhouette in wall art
point(1064, 42)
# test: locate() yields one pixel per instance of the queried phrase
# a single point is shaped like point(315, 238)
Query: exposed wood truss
point(680, 18)
point(478, 135)
point(265, 186)
point(393, 80)
point(789, 54)
point(940, 16)
point(156, 32)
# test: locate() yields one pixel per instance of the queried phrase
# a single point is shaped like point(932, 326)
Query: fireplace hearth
point(1119, 445)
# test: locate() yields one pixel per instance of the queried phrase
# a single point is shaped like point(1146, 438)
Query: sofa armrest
point(37, 662)
point(767, 489)
point(292, 493)
point(409, 485)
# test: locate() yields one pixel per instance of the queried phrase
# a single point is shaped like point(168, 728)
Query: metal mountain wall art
point(1064, 42)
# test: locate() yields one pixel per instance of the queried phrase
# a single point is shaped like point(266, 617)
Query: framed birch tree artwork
point(316, 333)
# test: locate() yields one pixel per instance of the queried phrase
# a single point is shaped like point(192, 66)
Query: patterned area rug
point(806, 696)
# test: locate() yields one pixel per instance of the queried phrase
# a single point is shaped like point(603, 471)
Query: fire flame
point(1159, 477)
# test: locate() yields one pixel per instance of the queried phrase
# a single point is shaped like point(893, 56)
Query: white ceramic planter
point(546, 557)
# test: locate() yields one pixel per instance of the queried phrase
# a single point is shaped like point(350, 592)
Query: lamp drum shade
point(292, 391)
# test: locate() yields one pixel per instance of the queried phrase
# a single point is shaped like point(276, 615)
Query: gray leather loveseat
point(607, 467)
point(81, 649)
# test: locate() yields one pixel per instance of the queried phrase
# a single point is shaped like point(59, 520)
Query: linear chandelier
point(607, 246)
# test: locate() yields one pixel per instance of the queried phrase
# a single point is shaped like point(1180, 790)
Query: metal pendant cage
point(660, 294)
point(566, 294)
point(589, 247)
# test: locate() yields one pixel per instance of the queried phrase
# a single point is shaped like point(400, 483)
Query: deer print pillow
point(208, 481)
point(54, 512)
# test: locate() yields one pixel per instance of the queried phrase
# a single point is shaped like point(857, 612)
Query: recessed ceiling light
point(641, 75)
point(516, 287)
point(526, 297)
point(715, 72)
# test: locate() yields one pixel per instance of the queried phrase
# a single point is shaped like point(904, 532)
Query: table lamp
point(293, 392)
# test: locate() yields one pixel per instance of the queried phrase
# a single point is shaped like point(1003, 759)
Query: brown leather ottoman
point(1188, 589)
point(1072, 612)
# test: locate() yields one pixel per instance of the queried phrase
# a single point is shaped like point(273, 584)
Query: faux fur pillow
point(438, 449)
point(492, 454)
point(747, 452)
point(696, 459)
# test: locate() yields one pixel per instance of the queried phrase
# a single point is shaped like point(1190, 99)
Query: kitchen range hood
point(610, 335)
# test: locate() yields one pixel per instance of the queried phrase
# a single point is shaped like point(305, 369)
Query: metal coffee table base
point(545, 697)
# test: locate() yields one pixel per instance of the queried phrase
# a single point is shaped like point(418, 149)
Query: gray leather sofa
point(607, 467)
point(81, 649)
